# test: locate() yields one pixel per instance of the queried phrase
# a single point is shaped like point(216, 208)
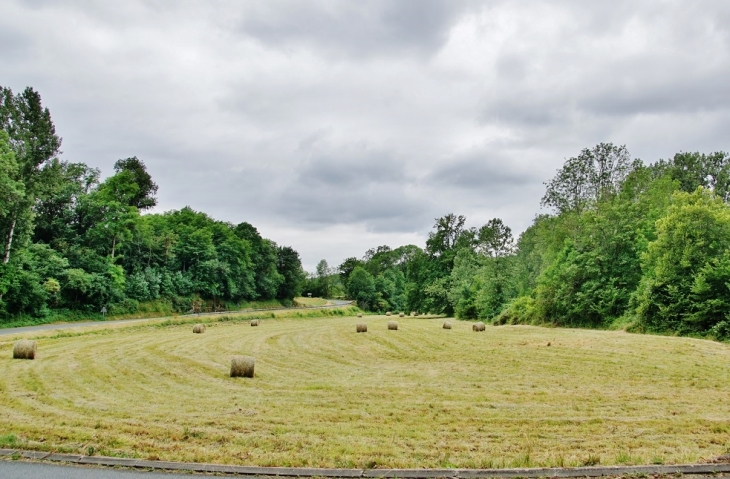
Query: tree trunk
point(10, 241)
point(114, 244)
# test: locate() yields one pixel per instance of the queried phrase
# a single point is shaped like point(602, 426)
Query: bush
point(520, 310)
point(126, 306)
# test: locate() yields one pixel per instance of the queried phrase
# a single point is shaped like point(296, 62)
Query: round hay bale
point(447, 325)
point(478, 326)
point(388, 313)
point(24, 349)
point(416, 313)
point(393, 325)
point(361, 328)
point(359, 315)
point(199, 328)
point(401, 315)
point(254, 322)
point(242, 366)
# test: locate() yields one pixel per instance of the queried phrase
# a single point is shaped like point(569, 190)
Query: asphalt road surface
point(36, 470)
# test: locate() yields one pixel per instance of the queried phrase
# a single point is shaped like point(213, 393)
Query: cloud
point(481, 171)
point(353, 29)
point(364, 121)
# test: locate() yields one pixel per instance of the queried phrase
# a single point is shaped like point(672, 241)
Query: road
point(44, 327)
point(35, 470)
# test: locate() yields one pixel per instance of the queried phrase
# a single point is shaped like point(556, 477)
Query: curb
point(594, 471)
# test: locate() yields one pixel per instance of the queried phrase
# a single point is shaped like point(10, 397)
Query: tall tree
point(289, 266)
point(32, 137)
point(144, 197)
point(588, 177)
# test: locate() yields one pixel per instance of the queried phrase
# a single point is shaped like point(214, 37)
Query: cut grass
point(325, 396)
point(301, 301)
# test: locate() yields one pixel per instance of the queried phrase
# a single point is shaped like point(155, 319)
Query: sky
point(338, 126)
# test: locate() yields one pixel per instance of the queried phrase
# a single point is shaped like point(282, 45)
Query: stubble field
point(325, 396)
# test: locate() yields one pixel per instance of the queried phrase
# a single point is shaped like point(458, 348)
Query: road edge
point(593, 471)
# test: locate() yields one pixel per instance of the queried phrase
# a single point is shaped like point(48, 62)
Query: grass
point(325, 396)
point(150, 309)
point(309, 301)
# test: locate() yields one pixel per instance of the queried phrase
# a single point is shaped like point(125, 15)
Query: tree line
point(625, 244)
point(72, 243)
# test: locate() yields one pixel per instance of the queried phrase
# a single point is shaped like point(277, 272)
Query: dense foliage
point(646, 247)
point(71, 242)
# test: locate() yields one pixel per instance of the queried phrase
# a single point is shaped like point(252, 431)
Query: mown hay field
point(325, 396)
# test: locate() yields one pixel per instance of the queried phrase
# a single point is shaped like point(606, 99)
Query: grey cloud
point(370, 116)
point(355, 28)
point(348, 170)
point(481, 171)
point(352, 185)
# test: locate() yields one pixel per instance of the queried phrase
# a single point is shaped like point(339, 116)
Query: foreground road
point(34, 470)
point(331, 303)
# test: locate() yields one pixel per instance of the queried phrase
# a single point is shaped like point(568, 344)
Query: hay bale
point(199, 328)
point(447, 325)
point(361, 328)
point(24, 349)
point(401, 315)
point(416, 313)
point(388, 313)
point(242, 366)
point(359, 315)
point(478, 327)
point(254, 322)
point(393, 325)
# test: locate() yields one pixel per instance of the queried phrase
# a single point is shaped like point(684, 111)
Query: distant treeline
point(72, 243)
point(627, 245)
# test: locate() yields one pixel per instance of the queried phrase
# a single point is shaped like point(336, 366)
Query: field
point(325, 396)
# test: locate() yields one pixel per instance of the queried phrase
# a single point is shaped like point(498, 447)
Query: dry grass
point(301, 301)
point(25, 349)
point(324, 396)
point(242, 366)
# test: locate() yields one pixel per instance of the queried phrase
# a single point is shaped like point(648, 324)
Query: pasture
point(325, 396)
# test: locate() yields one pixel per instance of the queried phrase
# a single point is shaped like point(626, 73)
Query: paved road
point(35, 470)
point(80, 324)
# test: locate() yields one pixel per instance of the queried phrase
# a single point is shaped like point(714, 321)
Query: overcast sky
point(336, 126)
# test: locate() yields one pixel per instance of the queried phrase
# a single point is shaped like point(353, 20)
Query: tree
point(11, 190)
point(346, 268)
point(692, 170)
point(686, 269)
point(135, 171)
point(325, 279)
point(362, 288)
point(264, 258)
point(592, 175)
point(494, 239)
point(289, 266)
point(33, 140)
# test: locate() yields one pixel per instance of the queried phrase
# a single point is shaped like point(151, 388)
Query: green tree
point(585, 179)
point(33, 140)
point(684, 287)
point(135, 171)
point(289, 266)
point(362, 288)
